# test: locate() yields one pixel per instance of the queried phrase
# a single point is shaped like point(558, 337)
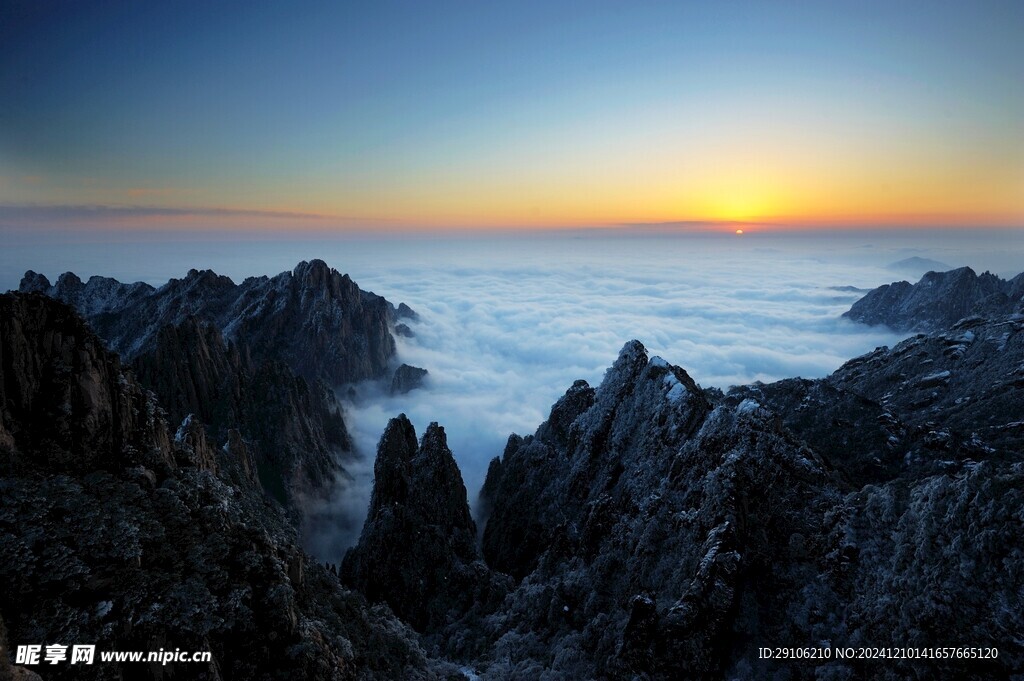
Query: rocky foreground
point(649, 529)
point(118, 530)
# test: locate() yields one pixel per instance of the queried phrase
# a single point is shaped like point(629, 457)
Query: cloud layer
point(505, 334)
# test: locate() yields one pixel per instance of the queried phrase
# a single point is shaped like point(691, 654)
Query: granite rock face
point(939, 300)
point(314, 319)
point(112, 532)
point(294, 427)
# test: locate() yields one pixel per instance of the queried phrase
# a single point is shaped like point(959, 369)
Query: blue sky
point(469, 113)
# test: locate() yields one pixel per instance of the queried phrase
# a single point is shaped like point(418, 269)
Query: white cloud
point(504, 335)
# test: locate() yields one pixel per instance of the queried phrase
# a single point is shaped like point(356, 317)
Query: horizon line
point(118, 217)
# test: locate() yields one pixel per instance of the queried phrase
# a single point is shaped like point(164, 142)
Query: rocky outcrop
point(314, 319)
point(418, 550)
point(961, 390)
point(65, 405)
point(294, 428)
point(403, 311)
point(97, 296)
point(407, 378)
point(931, 403)
point(641, 508)
point(659, 531)
point(114, 533)
point(939, 300)
point(656, 530)
point(859, 439)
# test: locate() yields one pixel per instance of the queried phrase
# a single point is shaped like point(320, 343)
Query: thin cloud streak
point(90, 215)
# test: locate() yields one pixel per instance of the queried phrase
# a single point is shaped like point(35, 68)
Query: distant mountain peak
point(917, 265)
point(938, 300)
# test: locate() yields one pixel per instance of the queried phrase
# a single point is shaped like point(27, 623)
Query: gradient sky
point(477, 114)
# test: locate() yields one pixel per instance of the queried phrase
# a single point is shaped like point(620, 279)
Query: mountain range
point(155, 445)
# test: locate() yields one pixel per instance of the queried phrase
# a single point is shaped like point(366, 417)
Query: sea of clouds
point(506, 324)
point(506, 327)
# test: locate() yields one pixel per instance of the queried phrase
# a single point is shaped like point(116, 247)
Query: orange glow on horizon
point(287, 220)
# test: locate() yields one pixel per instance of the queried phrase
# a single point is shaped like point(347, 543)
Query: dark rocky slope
point(939, 300)
point(314, 319)
point(64, 398)
point(931, 402)
point(295, 427)
point(655, 530)
point(114, 533)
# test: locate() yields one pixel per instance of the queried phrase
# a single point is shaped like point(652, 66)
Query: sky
point(194, 115)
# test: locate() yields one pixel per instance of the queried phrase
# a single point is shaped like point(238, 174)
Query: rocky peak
point(392, 469)
point(405, 312)
point(406, 378)
point(1017, 287)
point(642, 412)
point(34, 282)
point(314, 274)
point(576, 400)
point(206, 278)
point(424, 480)
point(439, 479)
point(637, 385)
point(93, 298)
point(417, 551)
point(69, 281)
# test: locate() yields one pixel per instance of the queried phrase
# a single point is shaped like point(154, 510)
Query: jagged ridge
point(656, 530)
point(417, 551)
point(314, 319)
point(939, 300)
